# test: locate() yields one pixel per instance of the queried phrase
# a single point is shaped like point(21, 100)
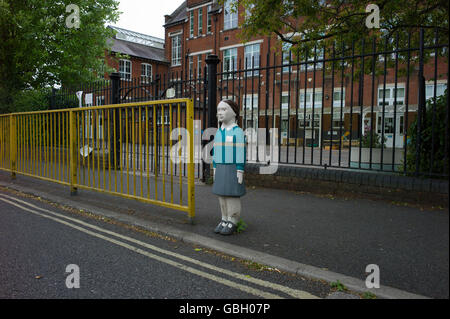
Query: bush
point(376, 140)
point(428, 147)
point(31, 100)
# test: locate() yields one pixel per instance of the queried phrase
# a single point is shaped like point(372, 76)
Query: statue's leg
point(224, 210)
point(223, 207)
point(234, 209)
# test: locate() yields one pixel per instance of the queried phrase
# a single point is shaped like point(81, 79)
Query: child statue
point(229, 158)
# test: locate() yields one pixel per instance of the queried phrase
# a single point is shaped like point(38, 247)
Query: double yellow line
point(138, 246)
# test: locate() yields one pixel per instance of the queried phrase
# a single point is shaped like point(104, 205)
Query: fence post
point(12, 145)
point(190, 164)
point(115, 99)
point(73, 153)
point(211, 61)
point(421, 99)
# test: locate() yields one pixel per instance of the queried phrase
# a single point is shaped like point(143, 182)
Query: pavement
point(316, 236)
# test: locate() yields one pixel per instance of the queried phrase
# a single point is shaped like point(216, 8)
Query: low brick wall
point(430, 192)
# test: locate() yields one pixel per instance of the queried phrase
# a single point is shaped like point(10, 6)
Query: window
point(251, 56)
point(230, 18)
point(199, 65)
point(286, 56)
point(200, 21)
point(191, 67)
point(250, 100)
point(338, 98)
point(176, 50)
point(309, 99)
point(146, 73)
point(285, 100)
point(229, 61)
point(125, 69)
point(310, 66)
point(191, 29)
point(307, 122)
point(389, 124)
point(250, 108)
point(389, 95)
point(440, 90)
point(337, 123)
point(248, 10)
point(209, 20)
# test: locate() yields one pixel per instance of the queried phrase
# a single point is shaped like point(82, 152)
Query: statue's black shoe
point(229, 229)
point(219, 227)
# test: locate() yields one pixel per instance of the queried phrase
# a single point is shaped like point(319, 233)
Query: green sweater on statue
point(229, 147)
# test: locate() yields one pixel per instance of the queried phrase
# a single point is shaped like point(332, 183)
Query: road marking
point(292, 292)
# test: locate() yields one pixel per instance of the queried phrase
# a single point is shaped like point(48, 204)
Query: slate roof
point(178, 16)
point(138, 50)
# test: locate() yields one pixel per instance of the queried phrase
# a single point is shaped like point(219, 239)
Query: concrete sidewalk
point(317, 236)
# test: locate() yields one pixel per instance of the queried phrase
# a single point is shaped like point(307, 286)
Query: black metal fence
point(353, 106)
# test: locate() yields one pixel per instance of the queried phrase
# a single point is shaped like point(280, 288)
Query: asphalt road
point(39, 240)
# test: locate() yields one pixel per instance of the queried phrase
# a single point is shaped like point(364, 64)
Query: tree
point(432, 155)
point(41, 46)
point(307, 23)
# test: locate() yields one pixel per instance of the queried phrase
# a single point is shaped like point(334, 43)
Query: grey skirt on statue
point(226, 182)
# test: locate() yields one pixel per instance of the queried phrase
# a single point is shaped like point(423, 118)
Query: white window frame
point(176, 50)
point(230, 19)
point(208, 20)
point(390, 100)
point(191, 67)
point(284, 105)
point(146, 76)
point(228, 64)
point(429, 89)
point(124, 75)
point(310, 66)
point(317, 101)
point(286, 49)
point(200, 21)
point(308, 121)
point(337, 103)
point(249, 53)
point(191, 24)
point(247, 101)
point(199, 65)
point(389, 123)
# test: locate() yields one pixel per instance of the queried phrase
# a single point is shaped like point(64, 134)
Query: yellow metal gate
point(125, 150)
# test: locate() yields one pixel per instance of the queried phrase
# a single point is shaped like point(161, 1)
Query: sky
point(146, 16)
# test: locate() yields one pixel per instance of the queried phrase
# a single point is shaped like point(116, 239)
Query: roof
point(179, 15)
point(138, 50)
point(133, 36)
point(138, 45)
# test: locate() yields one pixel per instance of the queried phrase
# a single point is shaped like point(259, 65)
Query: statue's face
point(225, 113)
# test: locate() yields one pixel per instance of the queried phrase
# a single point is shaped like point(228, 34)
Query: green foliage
point(338, 286)
point(431, 145)
point(38, 50)
point(369, 295)
point(333, 26)
point(376, 140)
point(31, 100)
point(241, 226)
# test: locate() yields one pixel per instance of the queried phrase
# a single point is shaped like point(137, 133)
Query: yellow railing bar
point(43, 143)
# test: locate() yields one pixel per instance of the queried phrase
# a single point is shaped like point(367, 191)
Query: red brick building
point(145, 55)
point(198, 28)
